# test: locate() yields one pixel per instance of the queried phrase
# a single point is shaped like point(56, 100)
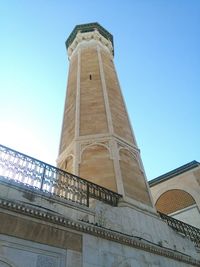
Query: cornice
point(98, 231)
point(85, 37)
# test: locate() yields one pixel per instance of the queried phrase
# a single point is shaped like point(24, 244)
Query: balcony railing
point(38, 175)
point(185, 229)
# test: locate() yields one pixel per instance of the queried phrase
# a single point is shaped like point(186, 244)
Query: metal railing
point(46, 178)
point(185, 229)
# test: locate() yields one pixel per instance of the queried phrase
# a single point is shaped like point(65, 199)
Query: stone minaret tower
point(97, 141)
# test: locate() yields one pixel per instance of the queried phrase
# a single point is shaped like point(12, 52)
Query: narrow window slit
point(90, 77)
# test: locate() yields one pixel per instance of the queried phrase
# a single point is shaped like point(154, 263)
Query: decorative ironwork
point(185, 229)
point(44, 177)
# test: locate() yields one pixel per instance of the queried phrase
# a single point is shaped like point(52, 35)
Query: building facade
point(177, 193)
point(50, 217)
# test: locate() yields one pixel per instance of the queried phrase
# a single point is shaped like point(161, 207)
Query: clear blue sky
point(157, 56)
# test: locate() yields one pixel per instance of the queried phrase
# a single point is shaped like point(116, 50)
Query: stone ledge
point(40, 232)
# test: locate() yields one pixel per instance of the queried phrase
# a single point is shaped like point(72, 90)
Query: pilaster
point(108, 113)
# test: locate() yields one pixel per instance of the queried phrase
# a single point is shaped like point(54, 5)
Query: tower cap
point(89, 27)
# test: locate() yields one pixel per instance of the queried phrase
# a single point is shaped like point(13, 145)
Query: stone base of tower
point(109, 161)
point(135, 205)
point(40, 231)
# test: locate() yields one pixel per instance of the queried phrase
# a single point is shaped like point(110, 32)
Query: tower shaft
point(97, 141)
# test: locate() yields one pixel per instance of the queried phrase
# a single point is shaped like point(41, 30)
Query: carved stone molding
point(87, 37)
point(86, 145)
point(134, 153)
point(68, 151)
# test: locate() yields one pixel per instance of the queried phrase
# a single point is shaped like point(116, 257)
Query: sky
point(157, 58)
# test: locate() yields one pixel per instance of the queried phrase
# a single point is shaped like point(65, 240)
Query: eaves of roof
point(191, 165)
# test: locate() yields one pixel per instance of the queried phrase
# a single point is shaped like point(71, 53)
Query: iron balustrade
point(39, 175)
point(185, 229)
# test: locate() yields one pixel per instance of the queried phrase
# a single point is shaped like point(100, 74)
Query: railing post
point(88, 195)
point(43, 175)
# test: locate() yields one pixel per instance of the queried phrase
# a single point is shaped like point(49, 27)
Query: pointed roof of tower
point(88, 28)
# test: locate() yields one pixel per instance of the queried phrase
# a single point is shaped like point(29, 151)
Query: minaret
point(97, 142)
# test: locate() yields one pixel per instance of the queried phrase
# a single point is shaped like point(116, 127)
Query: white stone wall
point(146, 226)
point(103, 253)
point(15, 252)
point(96, 251)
